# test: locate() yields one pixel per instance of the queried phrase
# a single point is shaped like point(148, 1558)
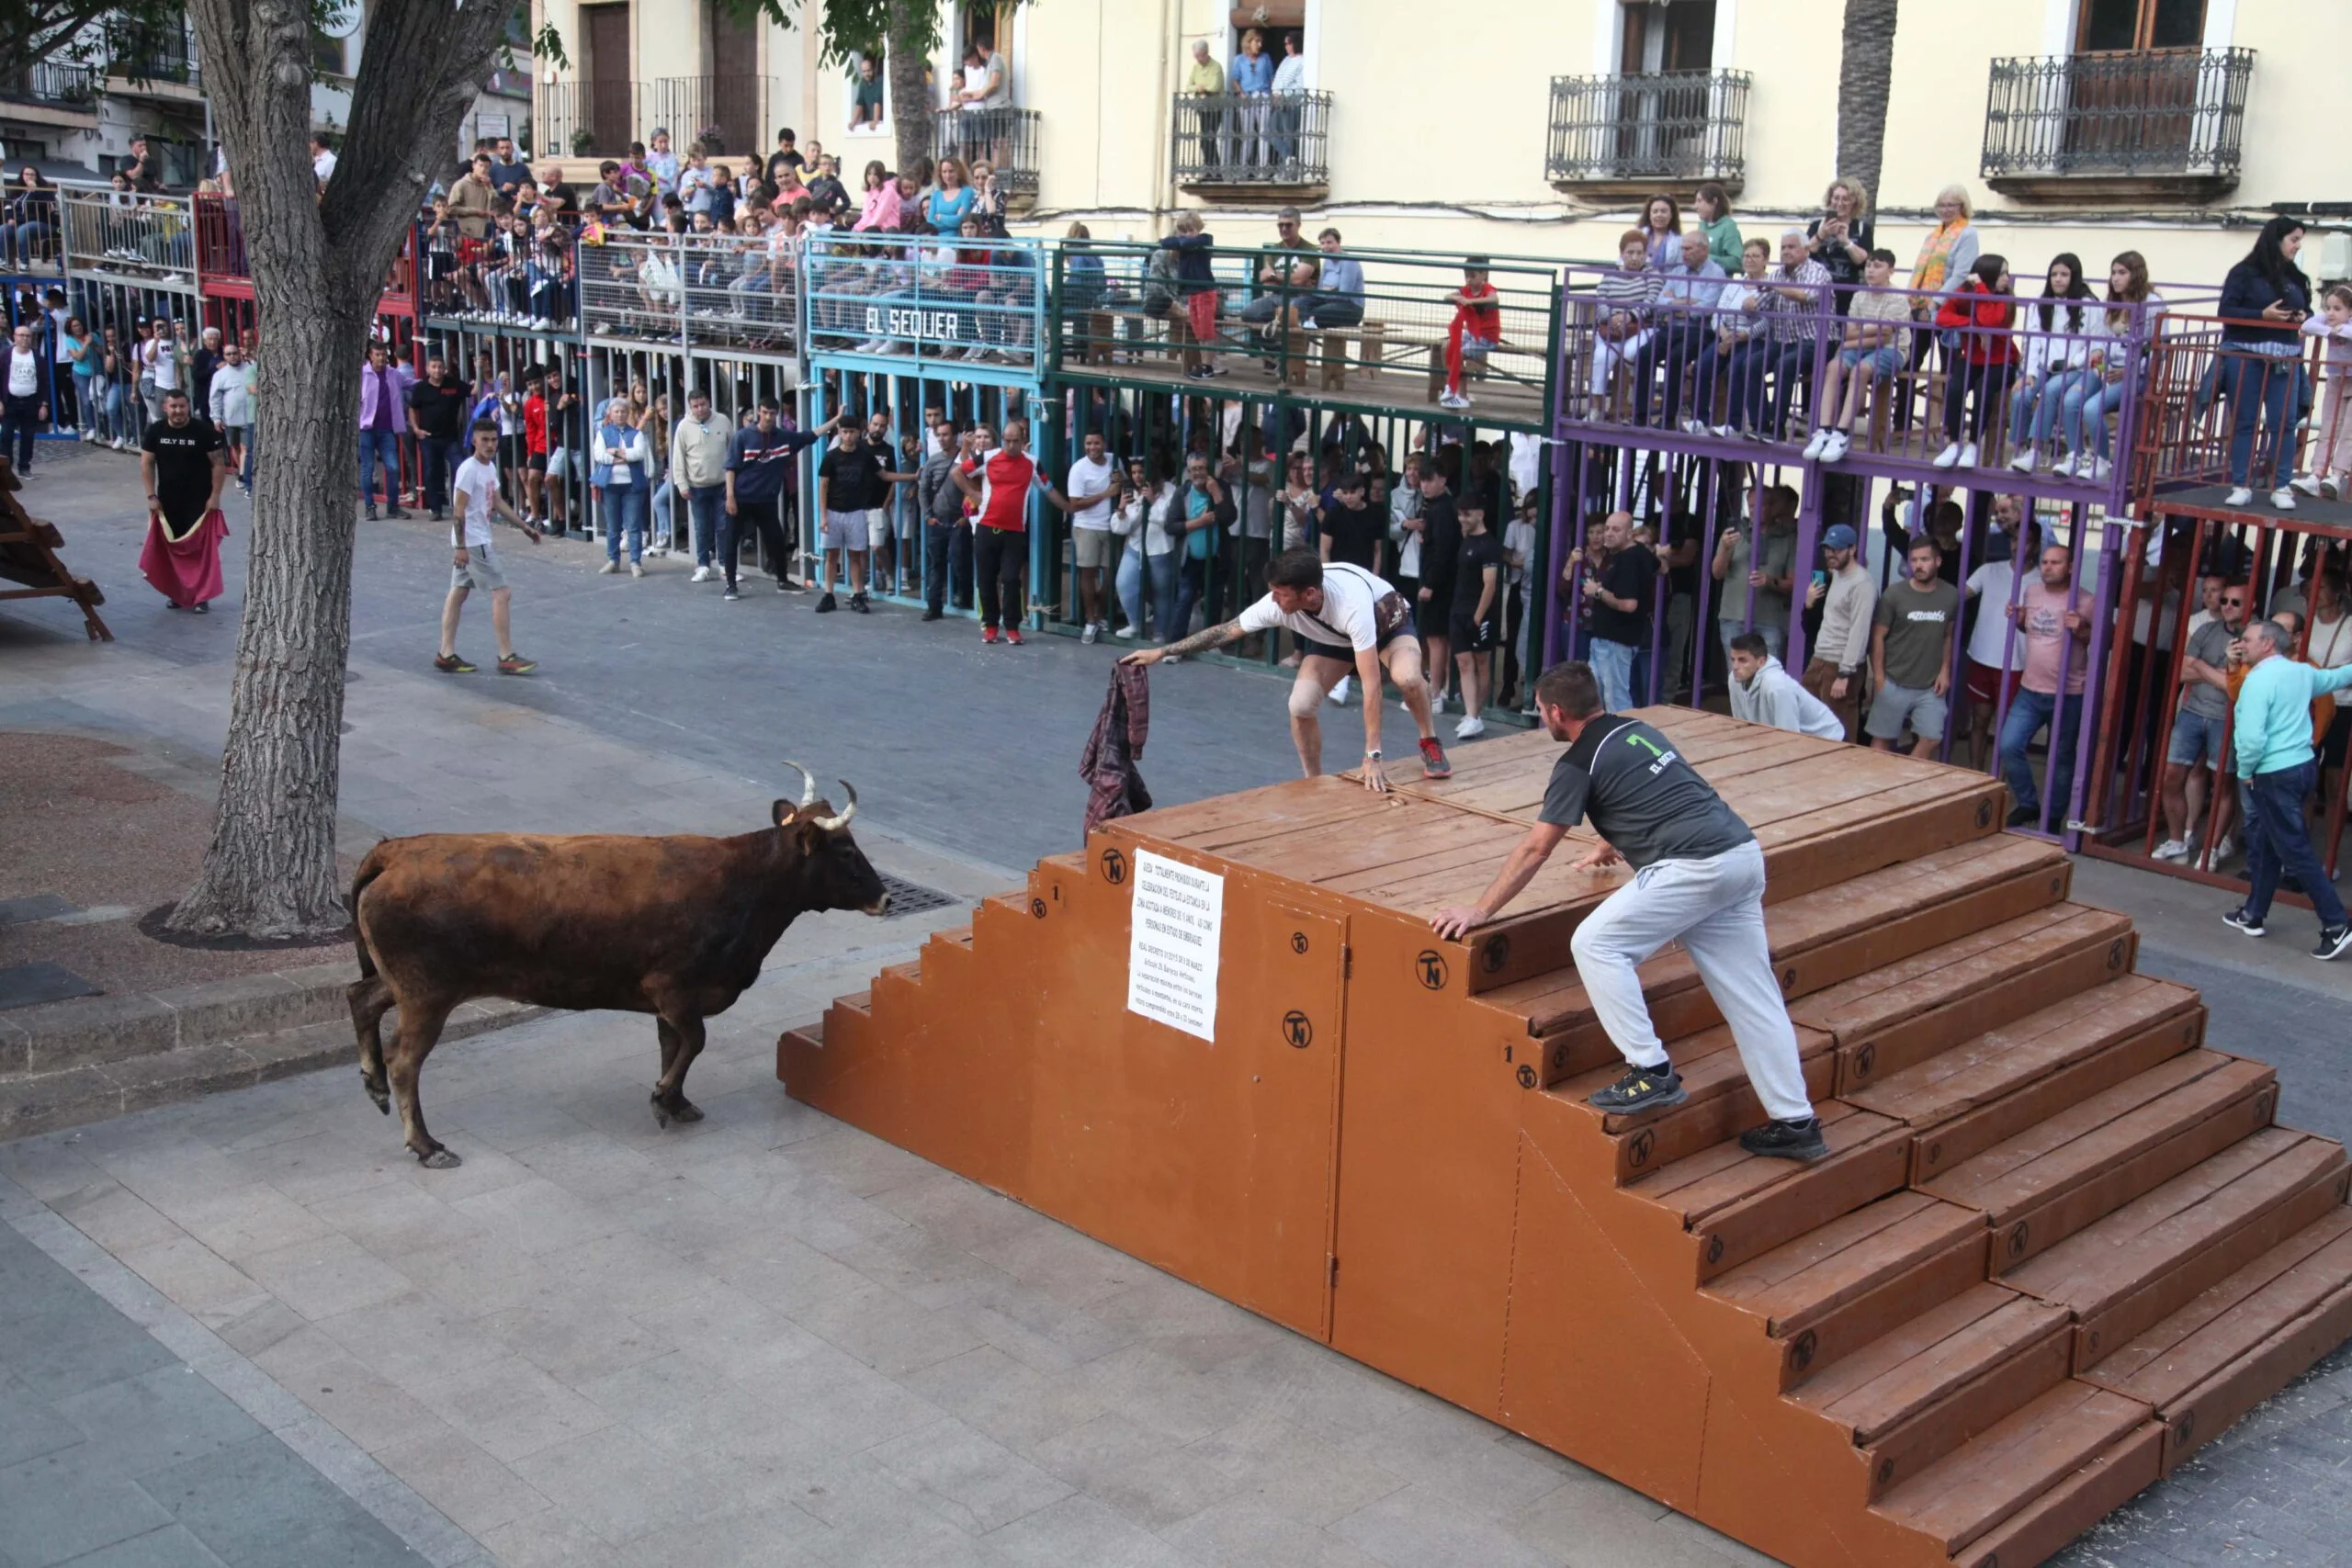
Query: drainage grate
point(907, 899)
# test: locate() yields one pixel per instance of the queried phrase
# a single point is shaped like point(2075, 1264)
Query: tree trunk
point(318, 266)
point(911, 110)
point(1865, 77)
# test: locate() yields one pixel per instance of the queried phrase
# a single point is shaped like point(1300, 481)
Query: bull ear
point(781, 811)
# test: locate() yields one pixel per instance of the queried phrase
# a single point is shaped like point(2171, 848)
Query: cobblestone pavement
point(768, 1339)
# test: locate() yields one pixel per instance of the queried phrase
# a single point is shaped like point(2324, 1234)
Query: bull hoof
point(681, 1109)
point(380, 1094)
point(440, 1160)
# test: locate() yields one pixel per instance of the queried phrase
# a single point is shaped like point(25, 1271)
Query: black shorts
point(1467, 636)
point(510, 452)
point(539, 463)
point(1347, 656)
point(2332, 746)
point(1434, 613)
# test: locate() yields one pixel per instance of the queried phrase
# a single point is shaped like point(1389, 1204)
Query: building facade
point(2169, 127)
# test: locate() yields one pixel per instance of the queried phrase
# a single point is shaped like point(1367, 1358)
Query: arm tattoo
point(1200, 642)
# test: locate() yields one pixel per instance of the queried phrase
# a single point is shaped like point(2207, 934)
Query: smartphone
point(1820, 578)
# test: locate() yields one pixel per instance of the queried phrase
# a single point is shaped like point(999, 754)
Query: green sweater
point(1723, 243)
point(2272, 726)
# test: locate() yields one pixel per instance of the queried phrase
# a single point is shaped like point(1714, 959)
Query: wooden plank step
point(1721, 1105)
point(1740, 1205)
point(1996, 1084)
point(1996, 1475)
point(2124, 1274)
point(1913, 1396)
point(2048, 1181)
point(1901, 1015)
point(2241, 1340)
point(2042, 1529)
point(1817, 940)
point(1837, 1288)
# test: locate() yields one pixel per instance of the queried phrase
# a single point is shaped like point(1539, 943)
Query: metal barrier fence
point(2223, 412)
point(118, 234)
point(1672, 127)
point(632, 287)
point(916, 301)
point(1255, 138)
point(2042, 393)
point(1374, 329)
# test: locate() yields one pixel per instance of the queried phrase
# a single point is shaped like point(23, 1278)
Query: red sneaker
point(1012, 636)
point(1434, 763)
point(988, 634)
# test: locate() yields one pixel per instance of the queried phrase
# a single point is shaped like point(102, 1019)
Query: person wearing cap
point(1841, 651)
point(1911, 632)
point(1275, 276)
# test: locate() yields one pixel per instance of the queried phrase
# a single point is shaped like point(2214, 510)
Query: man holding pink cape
point(181, 459)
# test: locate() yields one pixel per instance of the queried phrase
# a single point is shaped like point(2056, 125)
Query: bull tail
point(369, 869)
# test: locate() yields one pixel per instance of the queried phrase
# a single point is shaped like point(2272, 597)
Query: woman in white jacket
point(622, 463)
point(1141, 519)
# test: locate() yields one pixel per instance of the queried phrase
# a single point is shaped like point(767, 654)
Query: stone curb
point(90, 1031)
point(93, 1091)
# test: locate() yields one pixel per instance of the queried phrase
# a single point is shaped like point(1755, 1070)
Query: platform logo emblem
point(1298, 941)
point(1430, 966)
point(1115, 867)
point(1297, 1030)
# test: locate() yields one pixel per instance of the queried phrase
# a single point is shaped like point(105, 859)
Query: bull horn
point(807, 783)
point(849, 793)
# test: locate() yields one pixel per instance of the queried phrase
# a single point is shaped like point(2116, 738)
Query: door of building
point(609, 113)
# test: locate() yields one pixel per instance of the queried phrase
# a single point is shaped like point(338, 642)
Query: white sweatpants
point(1716, 907)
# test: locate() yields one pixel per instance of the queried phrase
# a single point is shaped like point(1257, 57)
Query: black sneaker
point(933, 614)
point(395, 511)
point(2026, 816)
point(1786, 1140)
point(731, 595)
point(2244, 924)
point(371, 513)
point(1642, 1089)
point(857, 602)
point(826, 606)
point(2333, 942)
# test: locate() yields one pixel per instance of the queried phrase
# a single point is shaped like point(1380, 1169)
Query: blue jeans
point(947, 560)
point(1674, 346)
point(704, 505)
point(2259, 388)
point(439, 459)
point(382, 446)
point(1749, 361)
point(1613, 666)
point(2029, 711)
point(2083, 421)
point(2277, 842)
point(2043, 403)
point(624, 507)
point(1156, 575)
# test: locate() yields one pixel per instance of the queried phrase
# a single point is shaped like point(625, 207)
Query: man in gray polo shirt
point(1911, 633)
point(1698, 879)
point(2198, 730)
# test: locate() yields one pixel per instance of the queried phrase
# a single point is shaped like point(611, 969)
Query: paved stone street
point(250, 1329)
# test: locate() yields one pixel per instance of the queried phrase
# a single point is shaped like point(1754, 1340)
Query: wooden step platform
point(2057, 1244)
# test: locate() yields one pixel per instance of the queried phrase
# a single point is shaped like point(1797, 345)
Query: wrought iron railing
point(1256, 138)
point(51, 81)
point(163, 58)
point(2142, 113)
point(1004, 138)
point(1678, 126)
point(728, 108)
point(592, 117)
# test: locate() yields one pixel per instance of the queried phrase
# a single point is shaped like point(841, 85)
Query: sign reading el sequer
point(889, 322)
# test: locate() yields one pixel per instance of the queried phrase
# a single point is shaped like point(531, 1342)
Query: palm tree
point(1865, 72)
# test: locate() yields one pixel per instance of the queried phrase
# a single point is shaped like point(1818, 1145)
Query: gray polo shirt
point(1640, 795)
point(2210, 644)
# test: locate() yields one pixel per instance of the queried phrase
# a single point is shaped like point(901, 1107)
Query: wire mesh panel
point(1672, 125)
point(741, 292)
point(2126, 113)
point(1369, 328)
point(633, 287)
point(119, 234)
point(924, 300)
point(1252, 139)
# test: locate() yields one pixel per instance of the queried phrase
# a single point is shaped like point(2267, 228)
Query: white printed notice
point(1177, 922)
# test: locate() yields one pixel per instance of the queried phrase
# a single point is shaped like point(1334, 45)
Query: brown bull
point(677, 927)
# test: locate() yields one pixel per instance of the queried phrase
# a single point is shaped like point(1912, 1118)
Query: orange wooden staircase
point(2057, 1245)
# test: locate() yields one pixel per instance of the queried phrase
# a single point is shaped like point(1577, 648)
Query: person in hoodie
point(1763, 693)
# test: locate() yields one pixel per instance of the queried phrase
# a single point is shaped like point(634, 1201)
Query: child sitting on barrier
point(1477, 327)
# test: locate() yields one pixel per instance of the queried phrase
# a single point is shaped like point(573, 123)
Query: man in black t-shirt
point(853, 478)
point(181, 459)
point(1441, 549)
point(1354, 533)
point(437, 407)
point(1617, 605)
point(1475, 625)
point(1698, 879)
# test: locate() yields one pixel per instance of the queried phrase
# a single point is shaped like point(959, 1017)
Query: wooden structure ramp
point(29, 568)
point(2057, 1245)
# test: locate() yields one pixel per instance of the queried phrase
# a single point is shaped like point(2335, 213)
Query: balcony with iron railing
point(1270, 144)
point(1004, 138)
point(595, 117)
point(51, 83)
point(728, 108)
point(159, 66)
point(2126, 125)
point(1628, 136)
